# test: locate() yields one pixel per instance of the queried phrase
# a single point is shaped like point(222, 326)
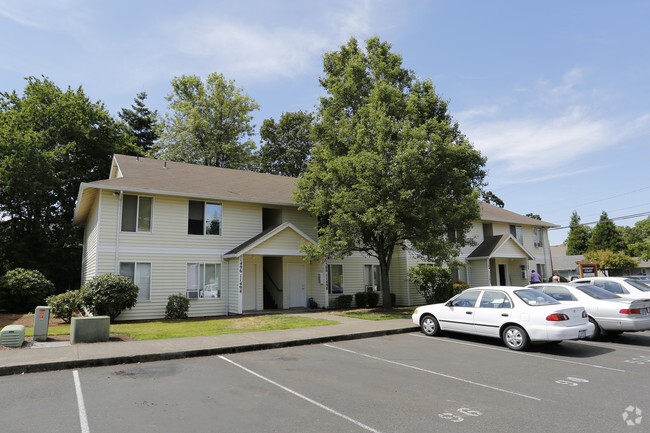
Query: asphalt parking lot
point(398, 383)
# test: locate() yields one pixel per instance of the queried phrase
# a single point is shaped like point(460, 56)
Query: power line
point(606, 220)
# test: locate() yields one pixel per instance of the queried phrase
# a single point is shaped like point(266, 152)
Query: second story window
point(537, 237)
point(136, 213)
point(517, 233)
point(204, 218)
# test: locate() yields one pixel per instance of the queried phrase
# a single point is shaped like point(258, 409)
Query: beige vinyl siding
point(169, 276)
point(232, 276)
point(476, 234)
point(510, 249)
point(285, 242)
point(302, 220)
point(91, 234)
point(316, 290)
point(479, 273)
point(352, 275)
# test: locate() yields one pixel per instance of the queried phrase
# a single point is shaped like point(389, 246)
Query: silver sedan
point(609, 313)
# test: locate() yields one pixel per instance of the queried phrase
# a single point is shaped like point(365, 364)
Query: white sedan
point(622, 286)
point(609, 313)
point(517, 315)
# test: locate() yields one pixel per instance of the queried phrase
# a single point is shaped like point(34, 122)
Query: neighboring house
point(230, 241)
point(566, 266)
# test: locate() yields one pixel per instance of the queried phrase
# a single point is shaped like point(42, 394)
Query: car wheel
point(598, 333)
point(429, 325)
point(515, 338)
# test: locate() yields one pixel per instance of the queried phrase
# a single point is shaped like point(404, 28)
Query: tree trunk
point(384, 267)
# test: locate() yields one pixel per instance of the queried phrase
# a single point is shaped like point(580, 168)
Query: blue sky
point(554, 93)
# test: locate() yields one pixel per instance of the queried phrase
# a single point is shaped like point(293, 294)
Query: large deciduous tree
point(578, 240)
point(141, 123)
point(613, 262)
point(50, 141)
point(287, 144)
point(390, 167)
point(210, 124)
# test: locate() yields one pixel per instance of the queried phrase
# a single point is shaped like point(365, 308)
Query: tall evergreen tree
point(606, 236)
point(141, 123)
point(578, 240)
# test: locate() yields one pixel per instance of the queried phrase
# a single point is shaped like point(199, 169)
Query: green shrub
point(177, 306)
point(109, 295)
point(65, 304)
point(344, 302)
point(434, 283)
point(23, 290)
point(361, 299)
point(373, 299)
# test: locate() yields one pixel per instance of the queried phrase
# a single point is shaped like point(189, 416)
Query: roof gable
point(491, 246)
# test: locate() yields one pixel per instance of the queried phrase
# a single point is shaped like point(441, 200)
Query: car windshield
point(596, 292)
point(638, 285)
point(535, 297)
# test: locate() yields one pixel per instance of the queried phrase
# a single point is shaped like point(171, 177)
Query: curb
point(192, 353)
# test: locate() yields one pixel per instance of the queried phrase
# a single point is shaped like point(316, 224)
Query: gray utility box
point(90, 329)
point(12, 336)
point(41, 323)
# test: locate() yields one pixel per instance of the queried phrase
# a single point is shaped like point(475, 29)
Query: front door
point(249, 297)
point(503, 275)
point(296, 283)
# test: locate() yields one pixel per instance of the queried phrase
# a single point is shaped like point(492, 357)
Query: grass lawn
point(379, 314)
point(195, 328)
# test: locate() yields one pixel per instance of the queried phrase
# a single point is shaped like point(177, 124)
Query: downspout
point(117, 231)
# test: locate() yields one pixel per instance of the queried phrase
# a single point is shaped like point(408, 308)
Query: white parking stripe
point(532, 355)
point(83, 418)
point(622, 346)
point(322, 406)
point(434, 372)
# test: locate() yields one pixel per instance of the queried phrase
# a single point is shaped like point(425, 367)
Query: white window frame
point(374, 285)
point(201, 286)
point(329, 279)
point(136, 273)
point(203, 224)
point(519, 233)
point(137, 214)
point(538, 239)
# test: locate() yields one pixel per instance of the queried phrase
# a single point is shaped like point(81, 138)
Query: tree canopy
point(605, 236)
point(50, 141)
point(390, 167)
point(141, 123)
point(209, 124)
point(578, 240)
point(287, 144)
point(613, 262)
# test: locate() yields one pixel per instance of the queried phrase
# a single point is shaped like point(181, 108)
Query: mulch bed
point(27, 320)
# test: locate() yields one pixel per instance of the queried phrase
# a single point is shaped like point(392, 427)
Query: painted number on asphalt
point(641, 360)
point(571, 381)
point(453, 417)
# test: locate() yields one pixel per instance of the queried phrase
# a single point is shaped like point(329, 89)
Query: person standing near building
point(556, 278)
point(535, 277)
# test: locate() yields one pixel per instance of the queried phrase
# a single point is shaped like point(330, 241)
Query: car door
point(493, 310)
point(458, 313)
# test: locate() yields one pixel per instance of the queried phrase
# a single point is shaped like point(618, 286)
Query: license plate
point(582, 334)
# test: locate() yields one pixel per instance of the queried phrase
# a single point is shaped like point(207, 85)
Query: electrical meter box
point(41, 323)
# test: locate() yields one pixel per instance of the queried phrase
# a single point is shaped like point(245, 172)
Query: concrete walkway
point(62, 355)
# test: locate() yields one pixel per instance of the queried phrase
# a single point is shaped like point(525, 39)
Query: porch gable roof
point(264, 236)
point(490, 247)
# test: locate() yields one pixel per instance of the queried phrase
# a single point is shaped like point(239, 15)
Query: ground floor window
point(371, 277)
point(140, 274)
point(335, 279)
point(203, 281)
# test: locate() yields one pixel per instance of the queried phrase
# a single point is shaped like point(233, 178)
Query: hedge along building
point(230, 241)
